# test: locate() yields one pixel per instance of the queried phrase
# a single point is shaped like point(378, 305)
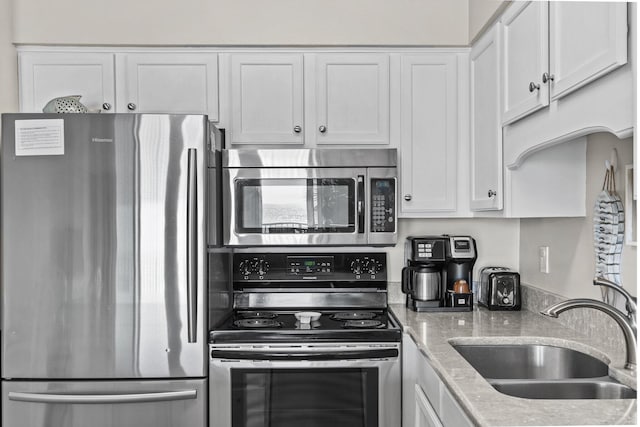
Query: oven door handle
point(294, 356)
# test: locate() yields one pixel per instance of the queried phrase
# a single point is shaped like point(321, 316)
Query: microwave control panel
point(383, 203)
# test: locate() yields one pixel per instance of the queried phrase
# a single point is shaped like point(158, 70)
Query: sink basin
point(589, 389)
point(531, 361)
point(536, 371)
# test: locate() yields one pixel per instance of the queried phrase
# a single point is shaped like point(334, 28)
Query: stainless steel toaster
point(499, 289)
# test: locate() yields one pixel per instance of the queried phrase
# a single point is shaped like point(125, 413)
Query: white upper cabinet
point(266, 98)
point(168, 82)
point(525, 58)
point(429, 137)
point(48, 75)
point(305, 98)
point(550, 49)
point(587, 40)
point(352, 98)
point(485, 122)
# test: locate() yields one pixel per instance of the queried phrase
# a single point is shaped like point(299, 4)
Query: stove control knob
point(371, 266)
point(356, 266)
point(262, 267)
point(245, 267)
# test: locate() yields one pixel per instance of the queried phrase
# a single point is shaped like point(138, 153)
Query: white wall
point(496, 239)
point(481, 12)
point(570, 240)
point(254, 22)
point(8, 61)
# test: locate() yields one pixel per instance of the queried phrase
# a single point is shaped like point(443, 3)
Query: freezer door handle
point(192, 245)
point(102, 398)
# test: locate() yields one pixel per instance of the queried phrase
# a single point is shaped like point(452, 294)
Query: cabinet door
point(486, 129)
point(451, 413)
point(48, 75)
point(587, 40)
point(352, 99)
point(425, 414)
point(267, 99)
point(525, 57)
point(184, 83)
point(428, 133)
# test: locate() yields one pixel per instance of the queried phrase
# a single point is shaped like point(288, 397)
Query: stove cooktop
point(360, 325)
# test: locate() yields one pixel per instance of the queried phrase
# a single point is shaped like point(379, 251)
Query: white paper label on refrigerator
point(40, 137)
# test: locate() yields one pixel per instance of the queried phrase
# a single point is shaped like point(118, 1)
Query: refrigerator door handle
point(192, 245)
point(102, 398)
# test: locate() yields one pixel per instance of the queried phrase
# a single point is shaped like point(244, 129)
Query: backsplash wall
point(497, 240)
point(570, 240)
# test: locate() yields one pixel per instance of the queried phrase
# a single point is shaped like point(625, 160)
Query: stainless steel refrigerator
point(104, 270)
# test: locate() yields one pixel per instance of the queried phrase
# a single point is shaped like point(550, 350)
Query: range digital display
point(297, 265)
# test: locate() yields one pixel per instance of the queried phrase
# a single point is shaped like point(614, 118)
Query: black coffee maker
point(438, 272)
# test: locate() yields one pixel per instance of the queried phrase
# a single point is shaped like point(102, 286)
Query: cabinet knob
point(407, 197)
point(131, 106)
point(491, 193)
point(546, 77)
point(297, 129)
point(106, 106)
point(533, 86)
point(322, 129)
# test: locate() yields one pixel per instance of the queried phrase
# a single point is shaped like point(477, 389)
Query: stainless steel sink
point(531, 361)
point(584, 389)
point(535, 371)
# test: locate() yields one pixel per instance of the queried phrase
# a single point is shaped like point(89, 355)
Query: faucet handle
point(631, 300)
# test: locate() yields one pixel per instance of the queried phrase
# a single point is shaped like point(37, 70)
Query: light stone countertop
point(434, 333)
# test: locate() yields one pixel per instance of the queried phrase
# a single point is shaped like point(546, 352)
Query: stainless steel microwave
point(329, 197)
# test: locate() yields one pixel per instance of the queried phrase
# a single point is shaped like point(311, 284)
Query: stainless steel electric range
point(310, 342)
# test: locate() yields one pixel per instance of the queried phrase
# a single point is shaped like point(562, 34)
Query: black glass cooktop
point(361, 325)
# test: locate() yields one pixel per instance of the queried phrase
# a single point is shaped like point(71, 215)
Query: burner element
point(257, 315)
point(353, 315)
point(256, 323)
point(366, 323)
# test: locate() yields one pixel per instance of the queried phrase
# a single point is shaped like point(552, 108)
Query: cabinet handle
point(106, 106)
point(533, 86)
point(322, 129)
point(492, 193)
point(297, 129)
point(407, 197)
point(546, 77)
point(131, 106)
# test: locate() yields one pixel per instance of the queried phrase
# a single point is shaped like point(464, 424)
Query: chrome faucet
point(626, 322)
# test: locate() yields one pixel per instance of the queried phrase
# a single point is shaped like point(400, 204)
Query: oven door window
point(305, 205)
point(340, 397)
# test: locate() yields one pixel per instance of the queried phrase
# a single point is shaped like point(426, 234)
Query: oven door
point(311, 385)
point(294, 206)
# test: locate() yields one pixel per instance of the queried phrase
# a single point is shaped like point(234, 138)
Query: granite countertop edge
point(434, 333)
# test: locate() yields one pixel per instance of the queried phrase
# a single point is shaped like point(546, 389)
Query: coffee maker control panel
point(462, 247)
point(426, 249)
point(431, 250)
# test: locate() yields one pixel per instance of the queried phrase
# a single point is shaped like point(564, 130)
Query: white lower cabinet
point(426, 401)
point(425, 414)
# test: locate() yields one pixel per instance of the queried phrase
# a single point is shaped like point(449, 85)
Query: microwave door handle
point(360, 203)
point(192, 245)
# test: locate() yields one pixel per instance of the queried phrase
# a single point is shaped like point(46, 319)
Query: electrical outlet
point(543, 259)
